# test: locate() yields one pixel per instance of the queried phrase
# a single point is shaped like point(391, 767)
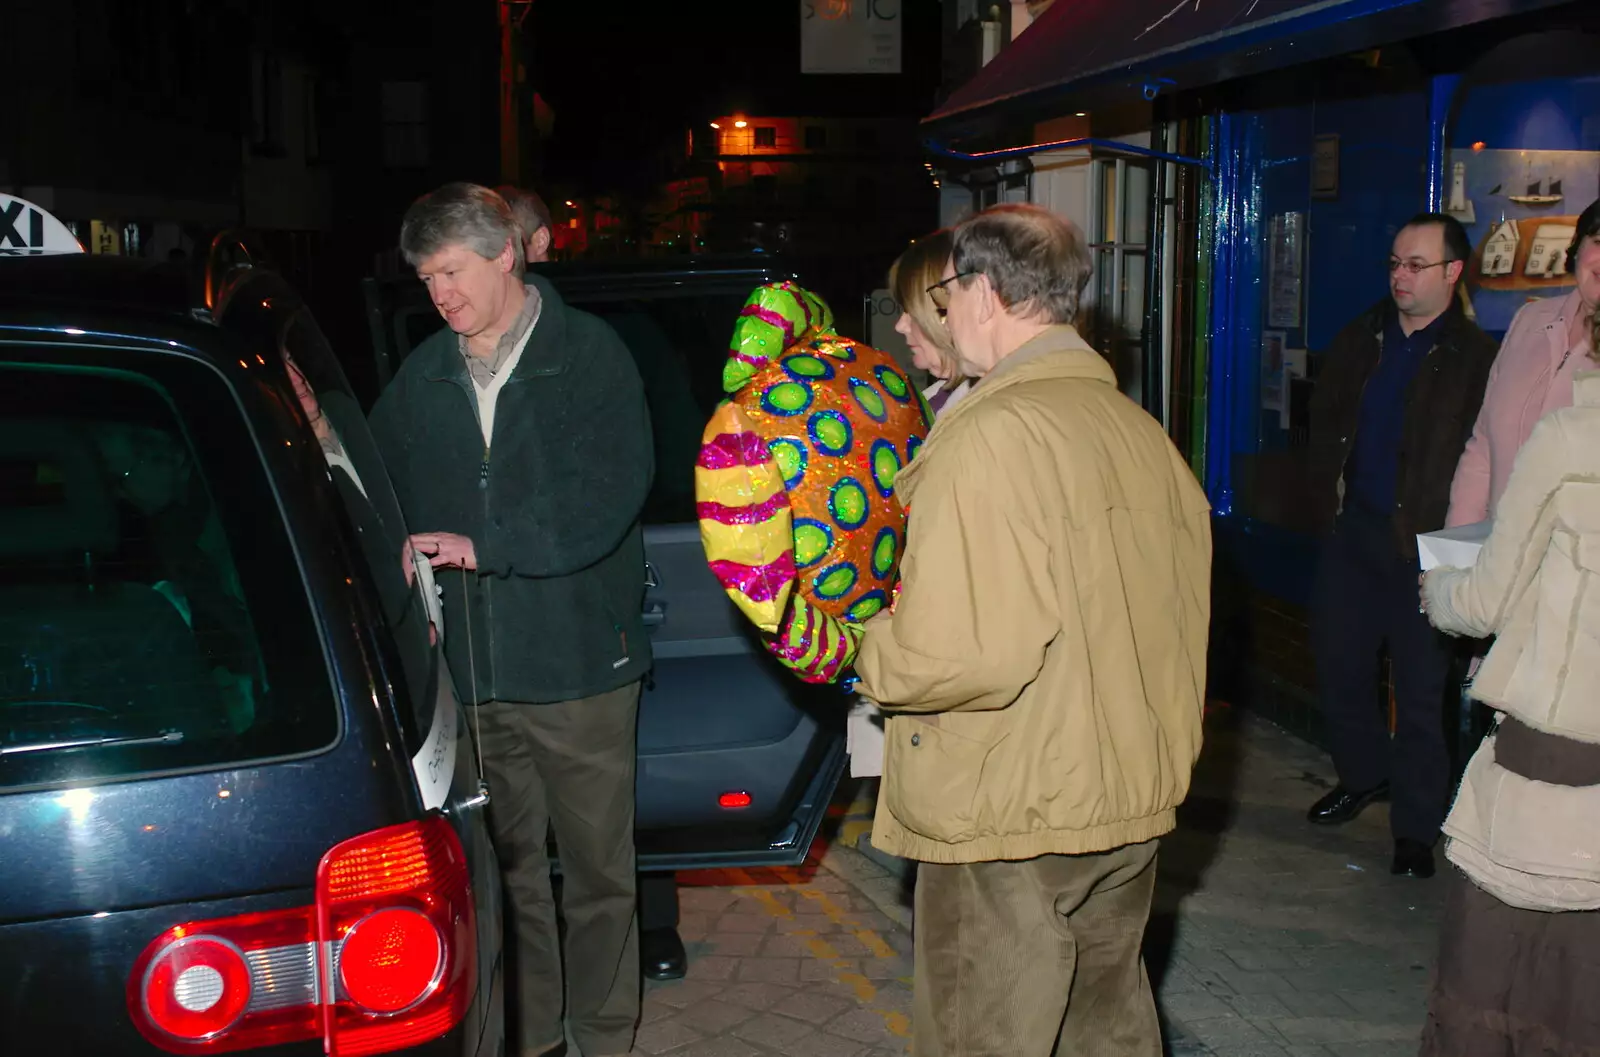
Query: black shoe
point(1412, 858)
point(662, 955)
point(1342, 805)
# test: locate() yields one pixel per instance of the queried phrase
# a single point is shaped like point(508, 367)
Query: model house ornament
point(1500, 252)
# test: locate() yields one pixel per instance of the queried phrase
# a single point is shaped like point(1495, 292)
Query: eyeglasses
point(1415, 267)
point(939, 292)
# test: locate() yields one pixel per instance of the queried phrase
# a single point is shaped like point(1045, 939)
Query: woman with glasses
point(912, 276)
point(1532, 376)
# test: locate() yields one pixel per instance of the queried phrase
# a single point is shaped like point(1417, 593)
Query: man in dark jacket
point(519, 443)
point(1393, 407)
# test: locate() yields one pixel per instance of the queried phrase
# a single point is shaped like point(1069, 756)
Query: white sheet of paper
point(1456, 547)
point(864, 739)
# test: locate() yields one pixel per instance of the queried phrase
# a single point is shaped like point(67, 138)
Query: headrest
point(55, 498)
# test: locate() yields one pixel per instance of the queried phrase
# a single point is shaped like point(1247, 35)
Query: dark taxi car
point(239, 803)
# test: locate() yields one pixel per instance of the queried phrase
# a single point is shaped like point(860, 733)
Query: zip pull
point(483, 469)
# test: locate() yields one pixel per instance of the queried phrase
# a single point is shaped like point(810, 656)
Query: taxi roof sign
point(27, 231)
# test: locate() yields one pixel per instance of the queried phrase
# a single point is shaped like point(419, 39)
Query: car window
point(152, 616)
point(371, 511)
point(679, 345)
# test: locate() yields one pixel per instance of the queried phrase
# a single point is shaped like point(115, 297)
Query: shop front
point(1280, 146)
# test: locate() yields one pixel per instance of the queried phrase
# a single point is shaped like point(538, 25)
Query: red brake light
point(391, 960)
point(734, 800)
point(393, 922)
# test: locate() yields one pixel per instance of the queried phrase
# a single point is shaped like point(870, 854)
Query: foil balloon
point(795, 481)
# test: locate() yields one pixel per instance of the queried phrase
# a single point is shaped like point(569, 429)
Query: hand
point(442, 549)
point(1422, 593)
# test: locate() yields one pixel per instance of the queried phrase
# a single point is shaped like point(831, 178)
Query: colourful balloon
point(796, 476)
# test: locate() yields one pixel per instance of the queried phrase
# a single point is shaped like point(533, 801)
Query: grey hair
point(460, 214)
point(527, 208)
point(1037, 261)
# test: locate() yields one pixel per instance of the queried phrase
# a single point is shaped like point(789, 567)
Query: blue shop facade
point(1241, 168)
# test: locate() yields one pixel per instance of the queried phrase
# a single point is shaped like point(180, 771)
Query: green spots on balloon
point(811, 542)
point(869, 400)
point(848, 504)
point(865, 609)
point(883, 554)
point(788, 459)
point(786, 398)
point(885, 464)
point(895, 384)
point(807, 366)
point(836, 581)
point(834, 433)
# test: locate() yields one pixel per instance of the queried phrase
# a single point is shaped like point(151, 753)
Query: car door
point(737, 759)
point(408, 628)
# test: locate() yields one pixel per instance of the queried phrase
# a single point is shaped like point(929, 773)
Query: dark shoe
point(1412, 858)
point(1342, 805)
point(662, 955)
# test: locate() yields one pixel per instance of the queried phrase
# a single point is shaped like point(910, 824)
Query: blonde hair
point(916, 269)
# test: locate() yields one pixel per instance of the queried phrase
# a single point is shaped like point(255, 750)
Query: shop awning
point(1084, 53)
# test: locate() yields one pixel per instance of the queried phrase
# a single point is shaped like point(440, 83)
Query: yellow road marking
point(865, 990)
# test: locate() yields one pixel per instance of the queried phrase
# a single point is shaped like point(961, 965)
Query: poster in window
point(1273, 396)
point(1285, 261)
point(1325, 166)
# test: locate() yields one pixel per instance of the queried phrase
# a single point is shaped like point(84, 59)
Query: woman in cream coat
point(921, 323)
point(1519, 958)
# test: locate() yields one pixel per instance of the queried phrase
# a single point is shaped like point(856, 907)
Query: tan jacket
point(1044, 670)
point(1536, 586)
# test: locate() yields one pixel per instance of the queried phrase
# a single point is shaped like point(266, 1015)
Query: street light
point(741, 123)
point(716, 126)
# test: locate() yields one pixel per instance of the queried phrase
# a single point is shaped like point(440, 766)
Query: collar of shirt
point(1424, 337)
point(483, 371)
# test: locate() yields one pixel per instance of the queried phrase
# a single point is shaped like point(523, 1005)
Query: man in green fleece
point(519, 443)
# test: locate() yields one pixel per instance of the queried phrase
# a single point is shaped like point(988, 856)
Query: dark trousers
point(568, 767)
point(1035, 958)
point(1366, 596)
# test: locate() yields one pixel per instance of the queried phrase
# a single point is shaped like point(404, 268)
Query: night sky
point(623, 77)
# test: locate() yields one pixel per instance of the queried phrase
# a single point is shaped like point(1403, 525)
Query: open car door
point(738, 759)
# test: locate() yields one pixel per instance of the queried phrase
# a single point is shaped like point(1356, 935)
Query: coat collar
point(1059, 352)
point(548, 352)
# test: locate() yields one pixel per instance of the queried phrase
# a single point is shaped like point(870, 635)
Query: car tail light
point(734, 801)
point(385, 959)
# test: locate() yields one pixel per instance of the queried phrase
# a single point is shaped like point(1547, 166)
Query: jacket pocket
point(932, 775)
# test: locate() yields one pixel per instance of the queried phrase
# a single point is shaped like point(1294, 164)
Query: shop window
point(1120, 217)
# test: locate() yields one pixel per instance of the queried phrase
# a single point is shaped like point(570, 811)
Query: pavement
point(1269, 937)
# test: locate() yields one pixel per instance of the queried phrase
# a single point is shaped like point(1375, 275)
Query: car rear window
point(152, 616)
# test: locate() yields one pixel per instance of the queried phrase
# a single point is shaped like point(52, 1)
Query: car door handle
point(654, 614)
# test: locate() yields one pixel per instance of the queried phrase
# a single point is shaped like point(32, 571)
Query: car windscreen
point(152, 615)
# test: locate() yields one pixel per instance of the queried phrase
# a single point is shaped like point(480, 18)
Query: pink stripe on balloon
point(727, 450)
point(754, 361)
point(759, 583)
point(742, 515)
point(767, 315)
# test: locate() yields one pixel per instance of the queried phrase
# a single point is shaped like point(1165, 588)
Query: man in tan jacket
point(1043, 669)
